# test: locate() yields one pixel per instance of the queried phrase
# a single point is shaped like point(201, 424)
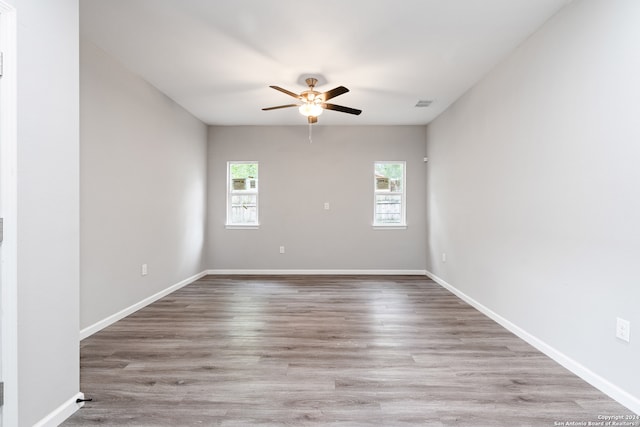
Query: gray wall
point(45, 373)
point(143, 188)
point(297, 178)
point(533, 188)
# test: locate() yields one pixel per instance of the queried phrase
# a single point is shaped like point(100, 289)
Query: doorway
point(8, 203)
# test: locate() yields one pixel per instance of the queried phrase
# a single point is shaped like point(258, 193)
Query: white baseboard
point(90, 330)
point(602, 384)
point(61, 413)
point(319, 272)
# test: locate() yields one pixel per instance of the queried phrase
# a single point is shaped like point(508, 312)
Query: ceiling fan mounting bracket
point(311, 82)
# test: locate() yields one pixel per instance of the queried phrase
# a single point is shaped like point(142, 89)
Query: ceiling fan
point(312, 103)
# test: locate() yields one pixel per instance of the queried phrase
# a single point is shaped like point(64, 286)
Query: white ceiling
point(217, 58)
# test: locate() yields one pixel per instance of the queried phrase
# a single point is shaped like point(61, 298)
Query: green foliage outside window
point(390, 170)
point(244, 170)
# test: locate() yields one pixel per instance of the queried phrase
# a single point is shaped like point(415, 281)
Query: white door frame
point(8, 211)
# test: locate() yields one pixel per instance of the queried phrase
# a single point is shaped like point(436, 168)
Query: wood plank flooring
point(323, 351)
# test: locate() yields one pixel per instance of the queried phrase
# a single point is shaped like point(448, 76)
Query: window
point(389, 194)
point(242, 194)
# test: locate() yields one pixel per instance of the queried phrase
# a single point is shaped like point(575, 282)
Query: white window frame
point(231, 192)
point(403, 196)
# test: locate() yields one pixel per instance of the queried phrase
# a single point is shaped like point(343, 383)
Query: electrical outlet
point(623, 329)
point(444, 257)
point(144, 270)
point(326, 206)
point(281, 249)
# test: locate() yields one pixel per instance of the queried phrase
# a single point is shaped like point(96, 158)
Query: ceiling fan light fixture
point(312, 103)
point(310, 109)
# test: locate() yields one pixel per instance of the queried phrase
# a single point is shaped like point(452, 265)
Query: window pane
point(244, 176)
point(394, 173)
point(244, 170)
point(388, 209)
point(244, 209)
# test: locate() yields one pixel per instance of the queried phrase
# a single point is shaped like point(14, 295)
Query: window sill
point(390, 227)
point(242, 226)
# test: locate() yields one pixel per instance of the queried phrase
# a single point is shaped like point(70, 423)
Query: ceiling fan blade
point(295, 95)
point(279, 106)
point(334, 92)
point(341, 109)
point(312, 119)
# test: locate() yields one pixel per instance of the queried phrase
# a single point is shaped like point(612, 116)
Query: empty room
point(345, 213)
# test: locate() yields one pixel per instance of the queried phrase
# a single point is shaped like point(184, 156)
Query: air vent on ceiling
point(424, 103)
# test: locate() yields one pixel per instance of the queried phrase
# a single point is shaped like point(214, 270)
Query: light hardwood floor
point(323, 350)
